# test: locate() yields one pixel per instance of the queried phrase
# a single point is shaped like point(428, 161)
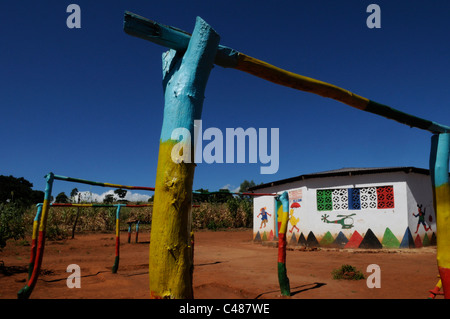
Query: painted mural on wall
point(347, 216)
point(264, 216)
point(293, 220)
point(295, 199)
point(263, 213)
point(357, 201)
point(346, 221)
point(353, 199)
point(381, 197)
point(421, 218)
point(296, 196)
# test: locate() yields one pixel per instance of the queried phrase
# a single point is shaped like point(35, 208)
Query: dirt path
point(228, 265)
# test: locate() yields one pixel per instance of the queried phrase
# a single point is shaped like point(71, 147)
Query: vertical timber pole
point(184, 82)
point(116, 259)
point(137, 231)
point(439, 165)
point(34, 237)
point(26, 291)
point(283, 279)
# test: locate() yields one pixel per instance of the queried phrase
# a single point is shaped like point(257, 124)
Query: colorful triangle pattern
point(366, 241)
point(389, 239)
point(407, 241)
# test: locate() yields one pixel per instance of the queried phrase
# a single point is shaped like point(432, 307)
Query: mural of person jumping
point(421, 215)
point(264, 218)
point(293, 220)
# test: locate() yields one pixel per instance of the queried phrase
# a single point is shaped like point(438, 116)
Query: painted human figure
point(421, 215)
point(264, 218)
point(293, 220)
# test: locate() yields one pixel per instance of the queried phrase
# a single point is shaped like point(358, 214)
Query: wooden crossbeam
point(177, 39)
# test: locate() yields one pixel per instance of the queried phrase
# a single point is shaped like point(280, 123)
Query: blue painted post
point(439, 166)
point(137, 230)
point(129, 232)
point(184, 82)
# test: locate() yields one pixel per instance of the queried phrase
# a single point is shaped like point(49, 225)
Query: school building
point(387, 207)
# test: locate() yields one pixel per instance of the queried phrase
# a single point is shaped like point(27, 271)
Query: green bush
point(347, 272)
point(235, 213)
point(17, 221)
point(11, 222)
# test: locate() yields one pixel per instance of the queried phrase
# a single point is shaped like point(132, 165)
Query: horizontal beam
point(176, 39)
point(100, 205)
point(171, 37)
point(97, 205)
point(84, 181)
point(233, 193)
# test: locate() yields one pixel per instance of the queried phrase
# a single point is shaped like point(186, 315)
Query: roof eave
point(408, 169)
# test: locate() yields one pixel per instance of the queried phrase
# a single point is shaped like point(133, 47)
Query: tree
point(61, 198)
point(18, 190)
point(109, 199)
point(73, 193)
point(245, 185)
point(37, 197)
point(200, 196)
point(222, 196)
point(11, 222)
point(121, 193)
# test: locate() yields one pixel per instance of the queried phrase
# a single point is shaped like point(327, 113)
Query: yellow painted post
point(185, 77)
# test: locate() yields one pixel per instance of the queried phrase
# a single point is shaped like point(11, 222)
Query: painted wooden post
point(76, 220)
point(34, 237)
point(283, 279)
point(137, 231)
point(129, 232)
point(116, 259)
point(26, 291)
point(439, 165)
point(185, 78)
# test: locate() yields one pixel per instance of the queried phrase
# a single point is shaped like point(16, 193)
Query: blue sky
point(88, 102)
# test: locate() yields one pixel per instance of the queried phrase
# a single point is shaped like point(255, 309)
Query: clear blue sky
point(88, 102)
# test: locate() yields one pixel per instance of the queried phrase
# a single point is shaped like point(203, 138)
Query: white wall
point(269, 204)
point(419, 191)
point(397, 218)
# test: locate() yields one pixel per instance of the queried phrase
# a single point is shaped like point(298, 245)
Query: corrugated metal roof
point(345, 171)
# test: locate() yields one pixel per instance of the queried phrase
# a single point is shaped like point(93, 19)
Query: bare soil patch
point(228, 265)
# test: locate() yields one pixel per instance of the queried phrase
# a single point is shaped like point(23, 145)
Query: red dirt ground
point(228, 265)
